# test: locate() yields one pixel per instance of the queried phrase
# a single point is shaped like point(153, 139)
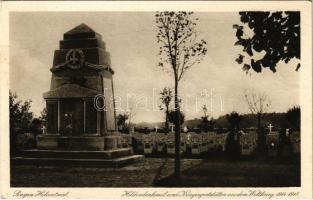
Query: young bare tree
point(166, 99)
point(180, 49)
point(205, 111)
point(258, 104)
point(205, 124)
point(131, 112)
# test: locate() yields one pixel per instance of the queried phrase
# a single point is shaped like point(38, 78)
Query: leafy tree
point(166, 98)
point(20, 114)
point(179, 50)
point(35, 126)
point(234, 120)
point(121, 120)
point(35, 129)
point(20, 119)
point(232, 145)
point(172, 117)
point(293, 116)
point(277, 34)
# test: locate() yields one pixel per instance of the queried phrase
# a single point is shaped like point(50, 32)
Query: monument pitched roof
point(82, 28)
point(81, 31)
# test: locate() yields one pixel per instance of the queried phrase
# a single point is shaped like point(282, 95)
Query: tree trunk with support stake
point(177, 134)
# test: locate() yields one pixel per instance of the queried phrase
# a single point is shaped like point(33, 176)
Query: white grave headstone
point(272, 142)
point(221, 141)
point(183, 142)
point(195, 142)
point(138, 140)
point(148, 143)
point(160, 142)
point(172, 127)
point(247, 143)
point(125, 140)
point(170, 143)
point(211, 140)
point(204, 143)
point(132, 129)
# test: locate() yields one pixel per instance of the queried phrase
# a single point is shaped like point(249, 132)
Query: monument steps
point(110, 163)
point(66, 154)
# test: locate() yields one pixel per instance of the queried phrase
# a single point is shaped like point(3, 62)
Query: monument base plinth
point(91, 143)
point(64, 154)
point(90, 151)
point(78, 162)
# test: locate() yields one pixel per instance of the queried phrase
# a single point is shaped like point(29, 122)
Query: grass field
point(158, 172)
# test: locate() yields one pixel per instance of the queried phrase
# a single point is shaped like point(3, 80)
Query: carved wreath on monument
point(75, 58)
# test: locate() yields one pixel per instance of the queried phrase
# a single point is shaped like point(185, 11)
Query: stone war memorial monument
point(81, 124)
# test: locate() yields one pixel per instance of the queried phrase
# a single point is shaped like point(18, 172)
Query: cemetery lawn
point(154, 172)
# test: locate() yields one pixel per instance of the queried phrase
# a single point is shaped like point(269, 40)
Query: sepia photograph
point(157, 99)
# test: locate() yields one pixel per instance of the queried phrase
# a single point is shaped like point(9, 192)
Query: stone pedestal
point(97, 151)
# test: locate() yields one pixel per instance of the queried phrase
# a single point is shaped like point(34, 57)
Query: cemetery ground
point(158, 172)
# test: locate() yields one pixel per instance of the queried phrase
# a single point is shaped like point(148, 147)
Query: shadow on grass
point(159, 172)
point(246, 172)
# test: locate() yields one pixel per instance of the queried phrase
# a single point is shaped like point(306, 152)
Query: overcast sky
point(130, 39)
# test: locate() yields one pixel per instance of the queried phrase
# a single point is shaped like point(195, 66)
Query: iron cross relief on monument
point(75, 58)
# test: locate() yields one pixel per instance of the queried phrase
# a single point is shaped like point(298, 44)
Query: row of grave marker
point(199, 143)
point(205, 142)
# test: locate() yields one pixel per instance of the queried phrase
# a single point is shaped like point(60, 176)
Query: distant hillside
point(248, 121)
point(149, 125)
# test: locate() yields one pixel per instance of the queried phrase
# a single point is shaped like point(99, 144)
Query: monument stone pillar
point(80, 102)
